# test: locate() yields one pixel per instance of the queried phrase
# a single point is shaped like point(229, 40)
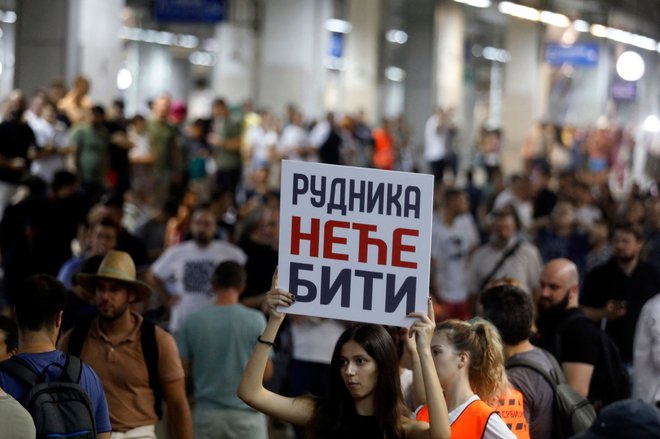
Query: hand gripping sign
point(355, 243)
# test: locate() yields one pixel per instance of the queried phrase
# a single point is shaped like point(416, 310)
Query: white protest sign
point(355, 243)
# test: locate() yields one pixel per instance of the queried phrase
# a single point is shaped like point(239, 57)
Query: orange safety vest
point(470, 424)
point(510, 408)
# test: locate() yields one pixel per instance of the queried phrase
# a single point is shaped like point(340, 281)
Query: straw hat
point(117, 266)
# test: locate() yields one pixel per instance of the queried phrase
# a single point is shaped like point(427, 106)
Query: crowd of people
point(145, 246)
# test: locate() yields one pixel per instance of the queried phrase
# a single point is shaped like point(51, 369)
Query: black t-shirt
point(16, 138)
point(261, 264)
point(609, 282)
point(570, 339)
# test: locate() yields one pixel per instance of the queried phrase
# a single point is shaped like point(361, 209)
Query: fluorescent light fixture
point(554, 19)
point(332, 63)
point(581, 26)
point(202, 58)
point(124, 79)
point(519, 11)
point(651, 124)
point(8, 17)
point(598, 30)
point(475, 3)
point(643, 42)
point(495, 54)
point(165, 38)
point(395, 74)
point(339, 26)
point(619, 35)
point(396, 36)
point(187, 41)
point(630, 66)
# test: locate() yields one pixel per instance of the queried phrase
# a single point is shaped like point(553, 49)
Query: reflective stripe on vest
point(471, 423)
point(511, 409)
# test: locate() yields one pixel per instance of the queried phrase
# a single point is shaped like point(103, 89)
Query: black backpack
point(610, 381)
point(149, 351)
point(573, 413)
point(59, 408)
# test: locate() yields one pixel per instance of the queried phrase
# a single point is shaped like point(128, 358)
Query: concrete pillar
point(234, 72)
point(100, 48)
point(293, 46)
point(42, 38)
point(418, 64)
point(449, 56)
point(521, 85)
point(360, 80)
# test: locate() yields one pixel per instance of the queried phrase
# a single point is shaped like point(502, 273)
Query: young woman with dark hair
point(364, 395)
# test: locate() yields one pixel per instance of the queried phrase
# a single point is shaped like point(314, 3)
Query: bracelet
point(266, 342)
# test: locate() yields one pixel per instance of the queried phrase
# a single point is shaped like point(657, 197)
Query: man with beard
point(136, 370)
point(189, 266)
point(563, 330)
point(505, 255)
point(617, 290)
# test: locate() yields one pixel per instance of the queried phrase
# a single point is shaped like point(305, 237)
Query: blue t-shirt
point(89, 382)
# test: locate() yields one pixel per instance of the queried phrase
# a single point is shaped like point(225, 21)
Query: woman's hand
point(423, 328)
point(277, 297)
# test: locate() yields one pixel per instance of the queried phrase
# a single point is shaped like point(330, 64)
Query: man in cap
point(630, 418)
point(138, 363)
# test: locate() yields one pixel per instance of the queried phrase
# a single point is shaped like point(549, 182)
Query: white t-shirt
point(314, 339)
point(450, 246)
point(292, 138)
point(54, 136)
point(495, 428)
point(190, 267)
point(260, 141)
point(435, 143)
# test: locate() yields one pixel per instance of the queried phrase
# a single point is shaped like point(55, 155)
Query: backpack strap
point(499, 264)
point(20, 370)
point(150, 352)
point(78, 337)
point(72, 369)
point(536, 367)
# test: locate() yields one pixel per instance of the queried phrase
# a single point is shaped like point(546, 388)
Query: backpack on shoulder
point(573, 412)
point(149, 352)
point(59, 409)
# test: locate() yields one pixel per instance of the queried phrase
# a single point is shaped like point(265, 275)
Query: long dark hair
point(332, 416)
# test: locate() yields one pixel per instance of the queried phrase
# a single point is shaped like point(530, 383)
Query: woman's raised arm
point(422, 330)
point(251, 390)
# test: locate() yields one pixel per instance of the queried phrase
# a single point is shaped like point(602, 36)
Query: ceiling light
point(630, 66)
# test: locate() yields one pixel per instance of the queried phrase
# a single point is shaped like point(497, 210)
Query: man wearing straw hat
point(114, 345)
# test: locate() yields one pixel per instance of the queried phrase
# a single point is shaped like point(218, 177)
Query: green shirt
point(218, 341)
point(92, 153)
point(15, 420)
point(162, 138)
point(229, 128)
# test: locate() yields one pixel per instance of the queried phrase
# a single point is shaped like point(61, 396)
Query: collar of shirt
point(97, 332)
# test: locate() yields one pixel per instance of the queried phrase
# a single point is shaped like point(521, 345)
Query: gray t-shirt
point(537, 393)
point(15, 420)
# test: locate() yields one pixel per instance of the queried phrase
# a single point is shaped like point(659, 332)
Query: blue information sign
point(208, 11)
point(577, 55)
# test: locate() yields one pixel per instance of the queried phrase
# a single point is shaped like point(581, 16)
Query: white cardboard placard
point(355, 243)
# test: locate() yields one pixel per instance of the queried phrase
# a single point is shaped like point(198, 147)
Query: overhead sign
point(207, 11)
point(355, 243)
point(577, 55)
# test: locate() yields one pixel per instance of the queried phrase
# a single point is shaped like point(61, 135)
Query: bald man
point(564, 330)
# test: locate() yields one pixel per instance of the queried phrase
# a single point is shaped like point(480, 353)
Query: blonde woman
point(469, 363)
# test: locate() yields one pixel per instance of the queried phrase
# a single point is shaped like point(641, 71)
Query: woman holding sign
point(364, 395)
point(470, 365)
